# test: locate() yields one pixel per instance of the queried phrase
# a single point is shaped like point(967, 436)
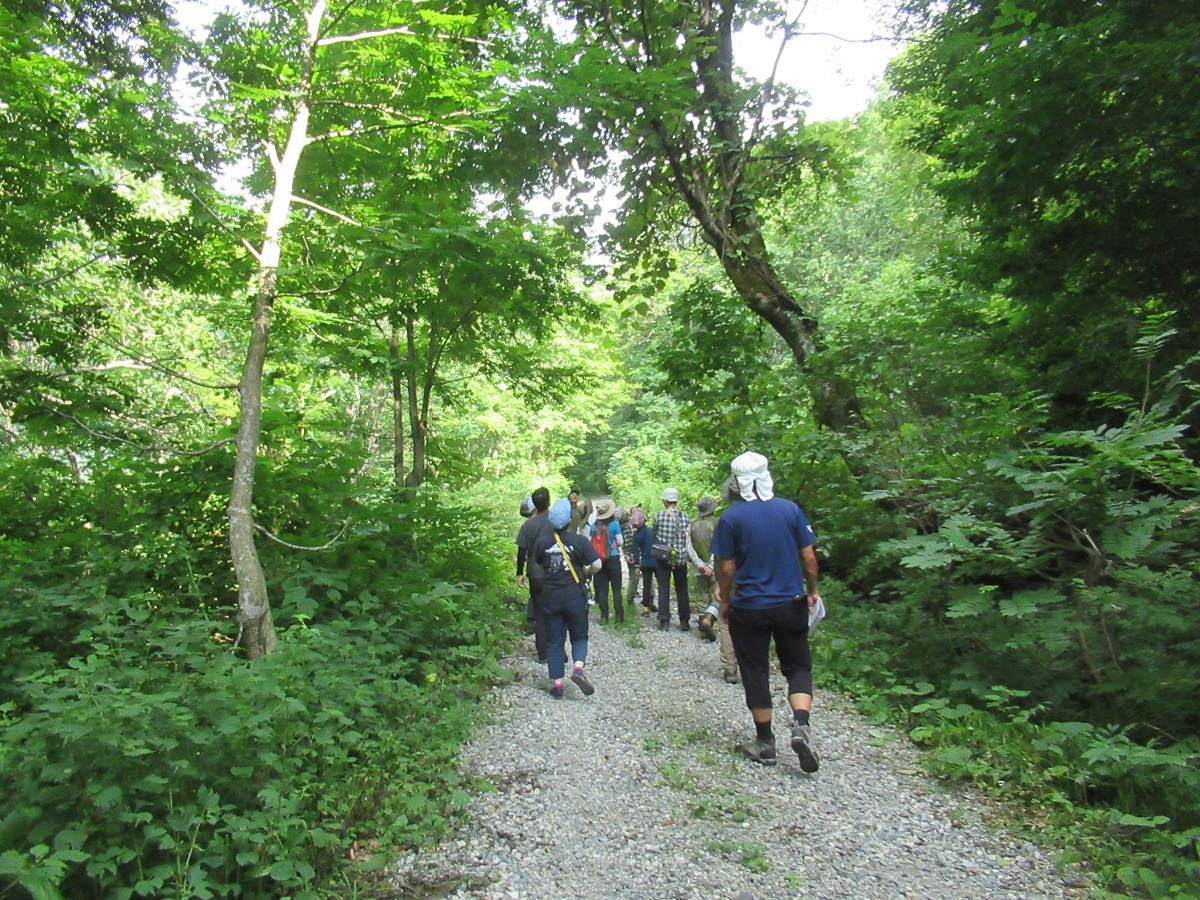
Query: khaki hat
point(604, 508)
point(670, 495)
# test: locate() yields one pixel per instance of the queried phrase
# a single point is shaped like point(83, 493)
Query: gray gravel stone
point(638, 792)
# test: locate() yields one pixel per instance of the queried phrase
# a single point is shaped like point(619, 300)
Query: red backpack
point(600, 539)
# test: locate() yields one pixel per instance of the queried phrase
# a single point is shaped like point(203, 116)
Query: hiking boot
point(645, 612)
point(582, 683)
point(803, 747)
point(685, 626)
point(731, 678)
point(705, 627)
point(760, 751)
point(663, 625)
point(556, 692)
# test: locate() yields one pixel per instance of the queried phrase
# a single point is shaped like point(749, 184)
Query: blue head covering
point(560, 513)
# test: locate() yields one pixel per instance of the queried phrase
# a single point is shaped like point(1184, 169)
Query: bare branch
point(278, 540)
point(363, 35)
point(60, 276)
point(160, 367)
point(870, 40)
point(399, 29)
point(272, 155)
point(379, 129)
point(114, 364)
point(253, 251)
point(319, 208)
point(174, 451)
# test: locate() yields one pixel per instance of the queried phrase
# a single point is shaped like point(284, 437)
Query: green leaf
point(1139, 821)
point(972, 603)
point(40, 887)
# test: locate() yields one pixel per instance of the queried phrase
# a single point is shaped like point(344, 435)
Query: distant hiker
point(568, 559)
point(534, 527)
point(644, 566)
point(709, 624)
point(767, 578)
point(673, 549)
point(581, 507)
point(701, 532)
point(608, 541)
point(622, 517)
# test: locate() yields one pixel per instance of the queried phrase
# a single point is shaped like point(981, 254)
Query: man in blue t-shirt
point(767, 565)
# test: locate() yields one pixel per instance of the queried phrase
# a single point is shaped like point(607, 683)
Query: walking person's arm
point(724, 573)
point(808, 561)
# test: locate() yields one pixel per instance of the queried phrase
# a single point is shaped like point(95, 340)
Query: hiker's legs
point(600, 586)
point(662, 571)
point(615, 566)
point(680, 574)
point(575, 619)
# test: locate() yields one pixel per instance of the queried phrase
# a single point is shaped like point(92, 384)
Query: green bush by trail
point(151, 760)
point(1038, 635)
point(193, 774)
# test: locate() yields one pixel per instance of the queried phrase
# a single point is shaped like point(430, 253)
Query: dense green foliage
point(1067, 133)
point(990, 422)
point(140, 754)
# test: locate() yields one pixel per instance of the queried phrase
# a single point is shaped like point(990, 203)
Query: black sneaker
point(663, 625)
point(760, 751)
point(803, 747)
point(582, 683)
point(685, 626)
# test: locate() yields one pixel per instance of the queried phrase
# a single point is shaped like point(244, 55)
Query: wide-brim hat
point(729, 490)
point(705, 506)
point(604, 508)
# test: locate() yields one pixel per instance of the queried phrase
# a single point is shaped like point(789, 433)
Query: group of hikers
point(755, 571)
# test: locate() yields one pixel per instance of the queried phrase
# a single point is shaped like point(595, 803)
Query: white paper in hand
point(815, 615)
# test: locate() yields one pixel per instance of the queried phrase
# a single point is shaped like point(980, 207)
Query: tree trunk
point(398, 393)
point(256, 631)
point(416, 426)
point(729, 222)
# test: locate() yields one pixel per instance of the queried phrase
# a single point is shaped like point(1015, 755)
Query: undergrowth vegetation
point(142, 756)
point(1040, 639)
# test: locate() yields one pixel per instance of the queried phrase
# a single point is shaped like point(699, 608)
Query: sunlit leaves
point(1063, 129)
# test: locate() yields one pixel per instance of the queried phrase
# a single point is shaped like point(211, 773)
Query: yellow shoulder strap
point(566, 556)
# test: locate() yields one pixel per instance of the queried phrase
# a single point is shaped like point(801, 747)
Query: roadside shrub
point(162, 765)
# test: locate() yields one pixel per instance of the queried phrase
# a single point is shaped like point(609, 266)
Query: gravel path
point(637, 792)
